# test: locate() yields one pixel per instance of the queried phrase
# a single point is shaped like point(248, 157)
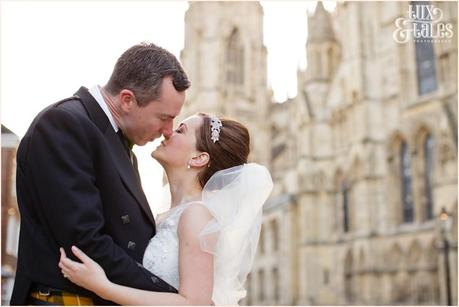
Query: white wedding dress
point(161, 255)
point(235, 198)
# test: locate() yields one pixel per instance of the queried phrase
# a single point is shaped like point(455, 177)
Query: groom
point(78, 183)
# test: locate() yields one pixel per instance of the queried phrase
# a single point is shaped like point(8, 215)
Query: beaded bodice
point(161, 254)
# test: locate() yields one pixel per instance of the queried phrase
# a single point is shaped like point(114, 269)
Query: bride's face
point(178, 150)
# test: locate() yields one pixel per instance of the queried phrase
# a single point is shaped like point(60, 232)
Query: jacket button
point(125, 219)
point(131, 245)
point(154, 279)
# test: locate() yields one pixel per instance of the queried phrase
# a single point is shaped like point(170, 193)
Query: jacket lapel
point(117, 151)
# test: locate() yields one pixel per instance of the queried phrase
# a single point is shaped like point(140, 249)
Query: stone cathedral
point(364, 159)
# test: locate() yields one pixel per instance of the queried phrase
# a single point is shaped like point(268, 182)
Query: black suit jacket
point(76, 185)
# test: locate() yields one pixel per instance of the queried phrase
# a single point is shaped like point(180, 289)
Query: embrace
point(88, 236)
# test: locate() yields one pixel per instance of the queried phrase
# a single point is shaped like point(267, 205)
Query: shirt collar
point(95, 92)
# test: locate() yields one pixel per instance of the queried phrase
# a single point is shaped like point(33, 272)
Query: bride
point(206, 242)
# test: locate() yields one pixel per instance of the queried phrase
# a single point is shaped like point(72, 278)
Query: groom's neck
point(112, 105)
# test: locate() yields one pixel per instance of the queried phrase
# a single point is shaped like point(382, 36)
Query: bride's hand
point(87, 274)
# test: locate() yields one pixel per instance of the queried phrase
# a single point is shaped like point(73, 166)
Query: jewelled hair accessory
point(215, 126)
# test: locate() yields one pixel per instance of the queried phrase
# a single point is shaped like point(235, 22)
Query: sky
point(48, 49)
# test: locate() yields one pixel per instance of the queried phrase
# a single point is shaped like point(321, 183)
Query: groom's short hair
point(142, 68)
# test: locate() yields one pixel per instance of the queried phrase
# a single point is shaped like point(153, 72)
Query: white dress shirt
point(95, 92)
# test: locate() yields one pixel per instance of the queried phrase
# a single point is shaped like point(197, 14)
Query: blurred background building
point(10, 213)
point(364, 159)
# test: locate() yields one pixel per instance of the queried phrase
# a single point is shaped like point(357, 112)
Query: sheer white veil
point(235, 197)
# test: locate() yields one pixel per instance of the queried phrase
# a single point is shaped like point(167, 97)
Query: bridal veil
point(235, 198)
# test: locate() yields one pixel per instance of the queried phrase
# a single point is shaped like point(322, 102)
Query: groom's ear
point(127, 99)
point(200, 160)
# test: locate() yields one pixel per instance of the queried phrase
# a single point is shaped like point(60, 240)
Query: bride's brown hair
point(232, 148)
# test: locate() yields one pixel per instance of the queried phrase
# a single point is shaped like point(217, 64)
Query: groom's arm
point(61, 163)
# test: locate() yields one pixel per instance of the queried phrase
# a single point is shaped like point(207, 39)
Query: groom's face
point(144, 124)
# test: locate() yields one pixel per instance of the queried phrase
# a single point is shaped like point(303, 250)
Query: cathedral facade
point(364, 158)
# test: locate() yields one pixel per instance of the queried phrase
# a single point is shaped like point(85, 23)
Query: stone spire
point(320, 26)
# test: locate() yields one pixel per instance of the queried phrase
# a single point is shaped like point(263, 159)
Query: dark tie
point(128, 147)
point(125, 143)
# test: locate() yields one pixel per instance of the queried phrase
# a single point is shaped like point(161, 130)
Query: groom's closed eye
point(165, 117)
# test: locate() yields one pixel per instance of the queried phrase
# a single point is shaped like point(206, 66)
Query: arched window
point(326, 276)
point(406, 183)
point(425, 57)
point(345, 202)
point(331, 62)
point(413, 255)
point(276, 289)
point(261, 242)
point(249, 289)
point(431, 294)
point(348, 278)
point(275, 234)
point(428, 175)
point(342, 203)
point(261, 285)
point(394, 257)
point(235, 60)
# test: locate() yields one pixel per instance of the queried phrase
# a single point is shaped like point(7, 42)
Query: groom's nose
point(167, 128)
point(167, 132)
point(167, 135)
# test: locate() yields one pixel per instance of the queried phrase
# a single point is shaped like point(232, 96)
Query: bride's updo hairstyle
point(232, 148)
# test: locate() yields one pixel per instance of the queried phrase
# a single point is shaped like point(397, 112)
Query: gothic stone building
point(363, 159)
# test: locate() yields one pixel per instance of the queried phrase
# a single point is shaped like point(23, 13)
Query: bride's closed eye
point(181, 129)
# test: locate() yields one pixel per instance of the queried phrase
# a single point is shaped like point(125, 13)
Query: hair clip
point(215, 126)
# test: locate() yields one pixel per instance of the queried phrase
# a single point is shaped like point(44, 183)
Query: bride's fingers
point(63, 261)
point(63, 254)
point(68, 264)
point(68, 275)
point(80, 255)
point(65, 273)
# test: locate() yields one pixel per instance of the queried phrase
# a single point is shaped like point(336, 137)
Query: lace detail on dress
point(161, 254)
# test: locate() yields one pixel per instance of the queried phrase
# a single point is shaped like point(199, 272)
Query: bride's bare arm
point(195, 270)
point(196, 267)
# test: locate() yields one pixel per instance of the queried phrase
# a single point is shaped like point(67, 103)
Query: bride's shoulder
point(196, 210)
point(195, 216)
